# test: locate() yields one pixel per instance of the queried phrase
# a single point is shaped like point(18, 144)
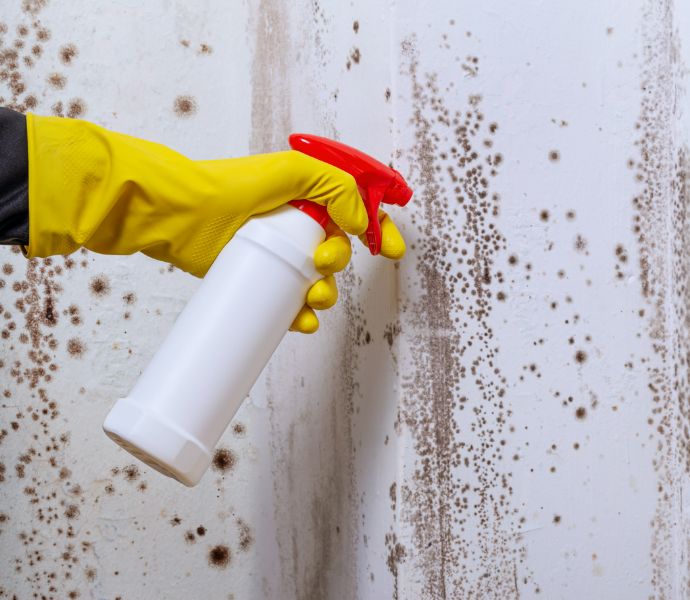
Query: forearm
point(14, 176)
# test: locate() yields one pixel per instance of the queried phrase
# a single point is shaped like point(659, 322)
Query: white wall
point(438, 438)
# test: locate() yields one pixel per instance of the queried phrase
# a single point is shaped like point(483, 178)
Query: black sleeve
point(14, 178)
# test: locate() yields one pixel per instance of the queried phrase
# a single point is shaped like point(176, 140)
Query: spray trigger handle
point(377, 183)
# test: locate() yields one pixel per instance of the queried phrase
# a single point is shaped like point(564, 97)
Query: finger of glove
point(306, 321)
point(333, 254)
point(323, 294)
point(337, 191)
point(392, 242)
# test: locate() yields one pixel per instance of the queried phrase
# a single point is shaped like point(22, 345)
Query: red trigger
point(372, 200)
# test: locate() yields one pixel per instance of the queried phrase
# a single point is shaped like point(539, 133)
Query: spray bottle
point(224, 337)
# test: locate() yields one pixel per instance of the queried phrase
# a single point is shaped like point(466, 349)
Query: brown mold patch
point(76, 348)
point(76, 108)
point(99, 286)
point(57, 81)
point(131, 472)
point(246, 539)
point(554, 155)
point(68, 53)
point(223, 460)
point(219, 556)
point(185, 106)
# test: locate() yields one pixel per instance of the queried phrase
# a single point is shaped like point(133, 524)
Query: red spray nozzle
point(377, 182)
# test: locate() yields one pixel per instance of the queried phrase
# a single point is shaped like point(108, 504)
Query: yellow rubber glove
point(116, 194)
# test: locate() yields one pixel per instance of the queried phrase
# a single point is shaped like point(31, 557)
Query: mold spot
point(76, 108)
point(355, 27)
point(581, 413)
point(219, 556)
point(57, 81)
point(100, 286)
point(68, 53)
point(185, 106)
point(246, 538)
point(544, 215)
point(223, 460)
point(72, 512)
point(76, 347)
point(131, 472)
point(580, 243)
point(201, 531)
point(554, 155)
point(129, 298)
point(239, 429)
point(580, 356)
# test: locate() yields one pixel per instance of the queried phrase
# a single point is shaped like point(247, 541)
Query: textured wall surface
point(503, 414)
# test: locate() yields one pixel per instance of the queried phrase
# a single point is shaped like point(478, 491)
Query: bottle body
point(221, 341)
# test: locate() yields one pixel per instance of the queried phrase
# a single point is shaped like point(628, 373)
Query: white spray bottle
point(225, 336)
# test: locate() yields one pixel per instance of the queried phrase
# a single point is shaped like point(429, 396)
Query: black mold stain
point(219, 556)
point(660, 224)
point(224, 460)
point(454, 383)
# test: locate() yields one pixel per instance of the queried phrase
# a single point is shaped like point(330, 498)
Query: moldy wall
point(502, 414)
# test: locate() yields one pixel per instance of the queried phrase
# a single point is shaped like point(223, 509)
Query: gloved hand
point(116, 194)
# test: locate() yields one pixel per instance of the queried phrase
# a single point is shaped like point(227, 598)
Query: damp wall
point(502, 414)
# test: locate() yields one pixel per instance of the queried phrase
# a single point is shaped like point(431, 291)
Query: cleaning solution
point(225, 336)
